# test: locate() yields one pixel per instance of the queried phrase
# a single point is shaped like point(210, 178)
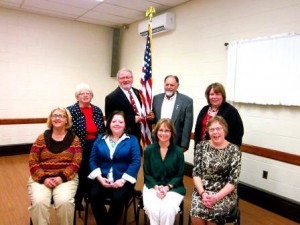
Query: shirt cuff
point(95, 173)
point(129, 178)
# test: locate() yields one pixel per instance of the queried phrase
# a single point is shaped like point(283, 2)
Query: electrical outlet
point(265, 174)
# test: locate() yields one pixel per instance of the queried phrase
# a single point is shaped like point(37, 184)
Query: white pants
point(161, 211)
point(63, 197)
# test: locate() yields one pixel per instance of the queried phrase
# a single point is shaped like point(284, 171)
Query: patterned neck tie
point(133, 103)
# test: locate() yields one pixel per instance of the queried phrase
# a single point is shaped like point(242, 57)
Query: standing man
point(126, 98)
point(177, 107)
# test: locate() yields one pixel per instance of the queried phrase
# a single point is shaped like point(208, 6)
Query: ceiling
point(112, 13)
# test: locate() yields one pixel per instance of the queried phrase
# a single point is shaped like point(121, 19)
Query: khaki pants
point(63, 197)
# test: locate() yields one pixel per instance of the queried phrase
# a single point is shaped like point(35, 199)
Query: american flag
point(146, 90)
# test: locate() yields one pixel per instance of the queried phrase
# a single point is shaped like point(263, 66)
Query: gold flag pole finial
point(150, 12)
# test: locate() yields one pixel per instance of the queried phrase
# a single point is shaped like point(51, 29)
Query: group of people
point(80, 156)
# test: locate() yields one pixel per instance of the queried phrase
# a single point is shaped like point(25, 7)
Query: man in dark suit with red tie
point(120, 99)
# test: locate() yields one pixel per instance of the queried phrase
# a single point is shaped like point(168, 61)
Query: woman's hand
point(52, 182)
point(209, 200)
point(161, 191)
point(104, 181)
point(119, 183)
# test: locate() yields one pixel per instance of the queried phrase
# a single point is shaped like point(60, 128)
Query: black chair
point(52, 202)
point(132, 200)
point(141, 207)
point(232, 217)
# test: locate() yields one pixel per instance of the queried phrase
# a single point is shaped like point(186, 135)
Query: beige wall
point(195, 51)
point(42, 59)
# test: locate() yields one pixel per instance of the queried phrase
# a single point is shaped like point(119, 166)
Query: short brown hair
point(220, 120)
point(169, 124)
point(218, 88)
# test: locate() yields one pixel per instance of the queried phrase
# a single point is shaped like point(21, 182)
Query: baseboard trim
point(277, 204)
point(18, 149)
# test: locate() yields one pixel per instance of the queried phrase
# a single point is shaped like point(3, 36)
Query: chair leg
point(86, 214)
point(181, 214)
point(74, 219)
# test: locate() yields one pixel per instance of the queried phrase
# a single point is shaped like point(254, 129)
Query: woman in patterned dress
point(217, 165)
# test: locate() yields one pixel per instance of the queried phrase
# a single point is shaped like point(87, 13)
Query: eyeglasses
point(84, 93)
point(125, 78)
point(59, 116)
point(218, 129)
point(164, 131)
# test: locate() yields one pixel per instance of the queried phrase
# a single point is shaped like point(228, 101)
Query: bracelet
point(170, 186)
point(202, 193)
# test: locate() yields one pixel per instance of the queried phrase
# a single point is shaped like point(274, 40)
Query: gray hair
point(82, 86)
point(124, 70)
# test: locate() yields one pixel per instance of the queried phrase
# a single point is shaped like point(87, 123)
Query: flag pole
point(149, 13)
point(146, 84)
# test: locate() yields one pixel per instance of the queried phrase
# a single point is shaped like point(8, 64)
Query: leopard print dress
point(216, 167)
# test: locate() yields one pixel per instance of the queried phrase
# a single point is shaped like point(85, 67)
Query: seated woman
point(115, 162)
point(54, 160)
point(217, 165)
point(163, 175)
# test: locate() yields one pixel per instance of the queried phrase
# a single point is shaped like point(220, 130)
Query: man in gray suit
point(176, 106)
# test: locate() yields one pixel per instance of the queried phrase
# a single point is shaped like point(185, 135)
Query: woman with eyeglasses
point(163, 175)
point(217, 166)
point(54, 160)
point(88, 123)
point(218, 106)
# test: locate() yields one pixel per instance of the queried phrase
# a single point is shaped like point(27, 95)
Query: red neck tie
point(133, 103)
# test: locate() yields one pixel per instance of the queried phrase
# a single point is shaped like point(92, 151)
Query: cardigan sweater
point(233, 119)
point(79, 123)
point(167, 171)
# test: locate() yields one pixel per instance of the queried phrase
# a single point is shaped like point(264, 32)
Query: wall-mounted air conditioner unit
point(161, 23)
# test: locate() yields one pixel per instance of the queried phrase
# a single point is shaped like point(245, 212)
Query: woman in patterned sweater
point(88, 123)
point(54, 160)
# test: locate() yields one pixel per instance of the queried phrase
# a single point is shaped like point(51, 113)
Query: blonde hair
point(67, 114)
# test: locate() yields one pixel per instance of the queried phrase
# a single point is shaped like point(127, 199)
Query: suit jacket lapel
point(159, 104)
point(137, 94)
point(123, 97)
point(177, 107)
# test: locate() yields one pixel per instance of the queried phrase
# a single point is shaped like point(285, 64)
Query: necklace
point(112, 142)
point(213, 110)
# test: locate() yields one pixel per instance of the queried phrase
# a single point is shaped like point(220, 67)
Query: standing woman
point(217, 105)
point(115, 162)
point(217, 166)
point(54, 160)
point(163, 175)
point(88, 122)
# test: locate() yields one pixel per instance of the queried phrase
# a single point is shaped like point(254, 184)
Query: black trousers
point(84, 185)
point(119, 198)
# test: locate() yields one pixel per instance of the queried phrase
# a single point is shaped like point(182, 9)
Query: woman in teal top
point(163, 175)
